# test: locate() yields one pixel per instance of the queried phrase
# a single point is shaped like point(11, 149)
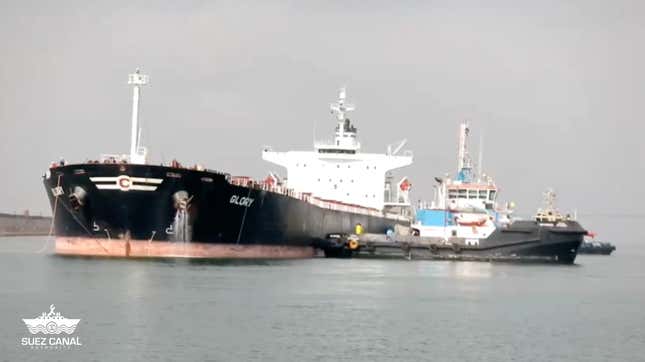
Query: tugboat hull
point(596, 248)
point(524, 241)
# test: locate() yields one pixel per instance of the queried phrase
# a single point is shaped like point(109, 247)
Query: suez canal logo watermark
point(57, 329)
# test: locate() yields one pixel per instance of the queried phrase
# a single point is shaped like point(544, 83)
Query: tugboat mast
point(464, 163)
point(137, 155)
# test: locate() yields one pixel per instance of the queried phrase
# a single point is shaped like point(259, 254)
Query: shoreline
point(15, 234)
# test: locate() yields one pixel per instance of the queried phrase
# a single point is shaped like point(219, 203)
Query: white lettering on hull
point(242, 201)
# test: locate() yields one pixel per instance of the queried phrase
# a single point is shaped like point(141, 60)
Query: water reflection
point(458, 270)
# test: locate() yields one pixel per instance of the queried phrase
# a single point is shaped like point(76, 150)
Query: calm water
point(332, 309)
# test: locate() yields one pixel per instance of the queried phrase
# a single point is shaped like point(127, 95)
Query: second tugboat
point(123, 206)
point(592, 246)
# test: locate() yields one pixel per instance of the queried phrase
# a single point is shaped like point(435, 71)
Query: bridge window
point(331, 150)
point(491, 196)
point(472, 194)
point(483, 194)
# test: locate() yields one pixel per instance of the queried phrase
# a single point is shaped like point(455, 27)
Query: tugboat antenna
point(480, 161)
point(136, 80)
point(464, 163)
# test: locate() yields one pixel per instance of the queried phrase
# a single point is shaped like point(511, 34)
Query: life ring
point(353, 244)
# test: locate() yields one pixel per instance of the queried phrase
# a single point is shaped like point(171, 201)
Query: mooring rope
point(51, 226)
point(246, 209)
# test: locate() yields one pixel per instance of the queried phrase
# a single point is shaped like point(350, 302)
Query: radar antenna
point(340, 108)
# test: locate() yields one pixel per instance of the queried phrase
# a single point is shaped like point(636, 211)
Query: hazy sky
point(556, 87)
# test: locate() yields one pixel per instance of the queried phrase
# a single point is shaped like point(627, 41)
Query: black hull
point(521, 241)
point(91, 206)
point(558, 243)
point(596, 249)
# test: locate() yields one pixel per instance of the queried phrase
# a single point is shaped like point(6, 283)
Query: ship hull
point(523, 241)
point(602, 249)
point(557, 243)
point(126, 210)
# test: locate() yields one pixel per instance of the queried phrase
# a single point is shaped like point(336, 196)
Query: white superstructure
point(338, 170)
point(464, 206)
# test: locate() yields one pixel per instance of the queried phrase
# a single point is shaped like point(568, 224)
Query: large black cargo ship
point(123, 206)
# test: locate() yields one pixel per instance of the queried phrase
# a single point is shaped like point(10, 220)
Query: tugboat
point(592, 246)
point(124, 206)
point(465, 221)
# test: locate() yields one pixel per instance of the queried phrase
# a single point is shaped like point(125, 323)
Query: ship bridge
point(468, 189)
point(337, 170)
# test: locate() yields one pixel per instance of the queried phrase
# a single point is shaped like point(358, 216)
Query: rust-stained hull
point(156, 249)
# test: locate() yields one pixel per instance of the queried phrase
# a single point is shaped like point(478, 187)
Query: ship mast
point(464, 163)
point(345, 132)
point(137, 153)
point(340, 108)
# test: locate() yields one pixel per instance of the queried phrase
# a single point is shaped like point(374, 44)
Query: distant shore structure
point(24, 224)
